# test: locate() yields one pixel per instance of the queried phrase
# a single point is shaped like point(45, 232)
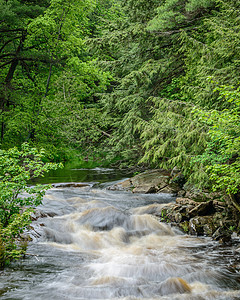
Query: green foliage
point(150, 114)
point(221, 156)
point(169, 58)
point(17, 199)
point(146, 82)
point(211, 51)
point(179, 14)
point(172, 137)
point(50, 79)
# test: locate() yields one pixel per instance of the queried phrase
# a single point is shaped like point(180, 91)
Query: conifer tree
point(150, 119)
point(171, 59)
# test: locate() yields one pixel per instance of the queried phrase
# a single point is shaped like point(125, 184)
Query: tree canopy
point(154, 83)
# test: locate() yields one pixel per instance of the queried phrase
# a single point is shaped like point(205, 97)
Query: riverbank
point(196, 213)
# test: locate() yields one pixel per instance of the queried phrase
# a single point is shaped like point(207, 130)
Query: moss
point(185, 226)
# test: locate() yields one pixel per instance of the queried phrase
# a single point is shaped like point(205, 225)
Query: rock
point(185, 201)
point(219, 206)
point(178, 217)
point(185, 226)
point(201, 225)
point(202, 209)
point(154, 181)
point(201, 196)
point(70, 184)
point(144, 189)
point(218, 219)
point(38, 214)
point(157, 177)
point(181, 193)
point(125, 185)
point(168, 189)
point(223, 235)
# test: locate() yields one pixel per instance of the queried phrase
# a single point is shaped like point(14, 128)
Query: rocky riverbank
point(195, 212)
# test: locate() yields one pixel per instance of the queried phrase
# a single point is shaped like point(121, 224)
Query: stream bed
point(93, 243)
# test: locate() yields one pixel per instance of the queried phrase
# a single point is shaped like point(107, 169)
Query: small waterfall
point(100, 244)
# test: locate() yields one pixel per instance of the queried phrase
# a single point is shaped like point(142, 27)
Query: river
point(94, 243)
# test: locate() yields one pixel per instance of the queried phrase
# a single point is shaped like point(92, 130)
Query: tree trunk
point(5, 101)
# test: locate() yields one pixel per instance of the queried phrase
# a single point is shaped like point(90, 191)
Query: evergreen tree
point(146, 104)
point(171, 57)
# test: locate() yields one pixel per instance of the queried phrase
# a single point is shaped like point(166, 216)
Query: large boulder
point(159, 178)
point(153, 181)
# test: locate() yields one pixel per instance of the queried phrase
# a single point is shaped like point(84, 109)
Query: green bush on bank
point(17, 199)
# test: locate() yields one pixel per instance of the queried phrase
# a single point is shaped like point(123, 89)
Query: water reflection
point(75, 174)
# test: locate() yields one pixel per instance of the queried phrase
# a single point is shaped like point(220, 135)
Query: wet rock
point(125, 185)
point(222, 235)
point(104, 218)
point(145, 189)
point(201, 225)
point(38, 214)
point(51, 214)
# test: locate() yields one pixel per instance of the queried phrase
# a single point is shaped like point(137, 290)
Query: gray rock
point(144, 189)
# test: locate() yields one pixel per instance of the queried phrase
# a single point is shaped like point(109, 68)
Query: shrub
point(17, 198)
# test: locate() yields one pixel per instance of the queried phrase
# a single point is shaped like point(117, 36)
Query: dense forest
point(125, 83)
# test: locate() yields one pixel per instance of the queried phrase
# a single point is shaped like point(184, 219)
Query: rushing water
point(92, 243)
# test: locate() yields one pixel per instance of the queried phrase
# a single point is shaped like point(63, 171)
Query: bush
point(17, 199)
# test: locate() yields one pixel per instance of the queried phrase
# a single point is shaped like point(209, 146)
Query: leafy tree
point(53, 50)
point(14, 55)
point(17, 199)
point(221, 158)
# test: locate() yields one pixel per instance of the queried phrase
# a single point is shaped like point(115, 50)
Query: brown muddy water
point(101, 244)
